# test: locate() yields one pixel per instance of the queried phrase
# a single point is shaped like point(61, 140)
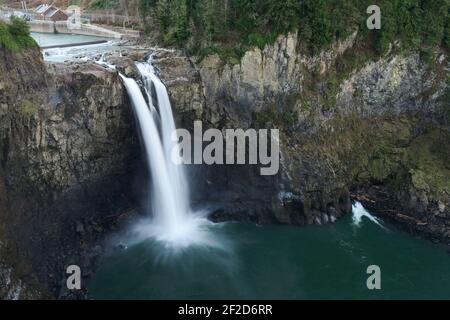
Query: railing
point(8, 13)
point(112, 19)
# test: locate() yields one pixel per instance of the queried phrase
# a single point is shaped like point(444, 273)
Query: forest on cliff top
point(231, 27)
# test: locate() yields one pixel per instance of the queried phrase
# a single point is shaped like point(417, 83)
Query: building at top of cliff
point(50, 13)
point(41, 8)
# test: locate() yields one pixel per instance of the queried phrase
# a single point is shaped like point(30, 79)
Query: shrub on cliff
point(16, 35)
point(104, 4)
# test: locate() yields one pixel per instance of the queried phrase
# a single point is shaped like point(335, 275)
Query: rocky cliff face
point(68, 149)
point(351, 126)
point(347, 120)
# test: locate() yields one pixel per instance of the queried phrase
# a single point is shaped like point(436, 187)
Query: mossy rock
point(27, 108)
point(428, 157)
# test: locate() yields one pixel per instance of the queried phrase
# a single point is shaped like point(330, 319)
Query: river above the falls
point(55, 39)
point(281, 262)
point(84, 47)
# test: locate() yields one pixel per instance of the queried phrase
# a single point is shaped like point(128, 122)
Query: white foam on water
point(359, 212)
point(81, 53)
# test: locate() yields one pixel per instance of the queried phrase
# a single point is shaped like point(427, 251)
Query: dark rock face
point(340, 129)
point(68, 155)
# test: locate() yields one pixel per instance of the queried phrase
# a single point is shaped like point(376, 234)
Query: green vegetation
point(417, 23)
point(272, 116)
point(230, 27)
point(28, 108)
point(104, 4)
point(16, 35)
point(427, 158)
point(385, 150)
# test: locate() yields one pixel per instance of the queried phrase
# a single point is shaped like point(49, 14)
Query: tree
point(318, 17)
point(433, 21)
point(408, 14)
point(16, 35)
point(386, 35)
point(282, 14)
point(19, 27)
point(223, 26)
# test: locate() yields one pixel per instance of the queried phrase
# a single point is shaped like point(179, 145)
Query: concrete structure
point(42, 26)
point(86, 29)
point(74, 21)
point(23, 4)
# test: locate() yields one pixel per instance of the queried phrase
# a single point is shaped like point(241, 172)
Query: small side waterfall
point(359, 212)
point(172, 222)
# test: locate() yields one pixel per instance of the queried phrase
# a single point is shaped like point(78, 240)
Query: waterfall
point(176, 172)
point(172, 223)
point(359, 212)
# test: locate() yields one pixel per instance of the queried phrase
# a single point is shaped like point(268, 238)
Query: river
point(281, 262)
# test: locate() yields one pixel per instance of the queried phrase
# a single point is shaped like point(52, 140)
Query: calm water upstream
point(280, 262)
point(53, 39)
point(80, 52)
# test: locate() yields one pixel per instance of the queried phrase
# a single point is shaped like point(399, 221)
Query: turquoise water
point(280, 262)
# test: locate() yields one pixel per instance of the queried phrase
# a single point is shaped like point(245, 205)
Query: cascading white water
point(176, 172)
point(172, 222)
point(359, 212)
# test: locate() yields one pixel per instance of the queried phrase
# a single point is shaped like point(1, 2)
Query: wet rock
point(138, 55)
point(317, 221)
point(80, 228)
point(97, 251)
point(121, 246)
point(441, 207)
point(70, 152)
point(332, 212)
point(12, 288)
point(126, 66)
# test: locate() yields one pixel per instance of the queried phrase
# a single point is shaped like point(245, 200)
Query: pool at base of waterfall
point(281, 262)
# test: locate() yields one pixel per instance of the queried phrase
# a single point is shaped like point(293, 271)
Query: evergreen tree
point(317, 16)
point(224, 25)
point(282, 14)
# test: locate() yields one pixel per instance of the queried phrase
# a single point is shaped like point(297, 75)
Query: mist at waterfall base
point(282, 262)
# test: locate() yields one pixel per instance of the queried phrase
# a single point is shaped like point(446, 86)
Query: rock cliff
point(352, 126)
point(348, 120)
point(68, 148)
